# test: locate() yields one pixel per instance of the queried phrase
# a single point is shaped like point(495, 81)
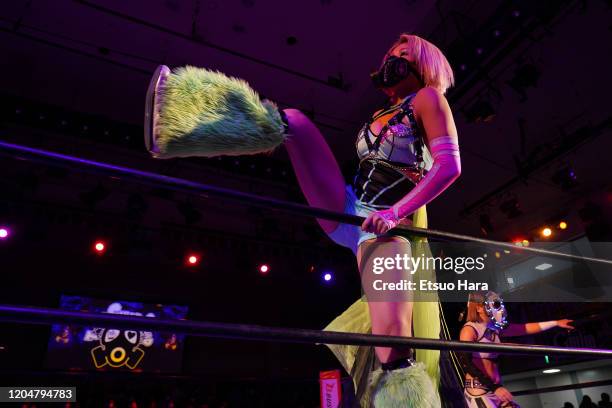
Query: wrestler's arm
point(434, 114)
point(523, 329)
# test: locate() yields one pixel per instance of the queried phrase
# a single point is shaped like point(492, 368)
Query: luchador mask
point(496, 310)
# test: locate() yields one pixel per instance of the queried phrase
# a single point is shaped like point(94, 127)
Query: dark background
point(531, 105)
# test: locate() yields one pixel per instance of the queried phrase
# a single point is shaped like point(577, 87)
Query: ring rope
point(38, 315)
point(192, 187)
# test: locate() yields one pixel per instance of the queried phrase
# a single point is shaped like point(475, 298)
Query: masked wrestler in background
point(486, 322)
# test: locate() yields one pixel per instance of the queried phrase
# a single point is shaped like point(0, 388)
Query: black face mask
point(393, 71)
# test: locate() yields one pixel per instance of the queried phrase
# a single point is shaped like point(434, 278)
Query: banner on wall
point(331, 388)
point(109, 349)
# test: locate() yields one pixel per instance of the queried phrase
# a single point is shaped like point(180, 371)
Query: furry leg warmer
point(409, 387)
point(196, 112)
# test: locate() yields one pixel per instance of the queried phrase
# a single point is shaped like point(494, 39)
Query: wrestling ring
point(47, 316)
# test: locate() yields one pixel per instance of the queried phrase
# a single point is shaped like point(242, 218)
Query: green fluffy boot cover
point(199, 112)
point(409, 387)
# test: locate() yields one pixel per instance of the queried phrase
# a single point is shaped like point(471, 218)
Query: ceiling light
point(543, 267)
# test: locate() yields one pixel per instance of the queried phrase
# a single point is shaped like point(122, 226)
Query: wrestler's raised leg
point(315, 166)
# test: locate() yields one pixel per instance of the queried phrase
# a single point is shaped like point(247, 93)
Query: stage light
point(517, 242)
point(521, 242)
point(551, 371)
point(264, 268)
point(4, 233)
point(562, 225)
point(327, 277)
point(546, 232)
point(99, 246)
point(497, 255)
point(193, 259)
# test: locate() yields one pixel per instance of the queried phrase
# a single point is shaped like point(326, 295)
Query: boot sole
point(152, 109)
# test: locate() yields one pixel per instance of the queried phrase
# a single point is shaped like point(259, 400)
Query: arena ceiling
point(536, 71)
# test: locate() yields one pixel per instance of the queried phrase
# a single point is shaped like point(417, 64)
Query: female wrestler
point(485, 323)
point(409, 155)
point(393, 150)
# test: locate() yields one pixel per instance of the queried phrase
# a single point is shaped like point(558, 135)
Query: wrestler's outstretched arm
point(434, 114)
point(523, 329)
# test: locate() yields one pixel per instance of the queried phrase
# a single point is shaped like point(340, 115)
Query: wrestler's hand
point(380, 222)
point(565, 324)
point(504, 394)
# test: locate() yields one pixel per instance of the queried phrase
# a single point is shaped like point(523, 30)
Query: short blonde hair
point(431, 63)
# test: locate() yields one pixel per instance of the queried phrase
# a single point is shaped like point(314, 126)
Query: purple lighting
point(327, 277)
point(4, 233)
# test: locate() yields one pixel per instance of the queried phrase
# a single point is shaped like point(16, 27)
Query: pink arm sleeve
point(446, 168)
